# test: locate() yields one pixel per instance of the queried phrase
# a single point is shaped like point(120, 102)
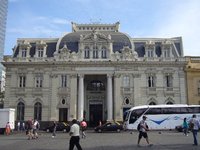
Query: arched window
point(96, 85)
point(152, 103)
point(38, 111)
point(20, 111)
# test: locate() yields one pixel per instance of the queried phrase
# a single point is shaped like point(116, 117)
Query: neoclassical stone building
point(193, 80)
point(95, 72)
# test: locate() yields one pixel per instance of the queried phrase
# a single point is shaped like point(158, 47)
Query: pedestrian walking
point(8, 129)
point(36, 127)
point(194, 126)
point(185, 127)
point(83, 128)
point(29, 129)
point(143, 128)
point(23, 126)
point(54, 129)
point(18, 126)
point(75, 136)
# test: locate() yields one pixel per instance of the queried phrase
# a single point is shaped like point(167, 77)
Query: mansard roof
point(118, 39)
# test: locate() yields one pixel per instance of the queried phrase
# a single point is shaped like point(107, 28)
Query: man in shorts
point(143, 131)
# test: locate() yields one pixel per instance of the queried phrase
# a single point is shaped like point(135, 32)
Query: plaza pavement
point(164, 140)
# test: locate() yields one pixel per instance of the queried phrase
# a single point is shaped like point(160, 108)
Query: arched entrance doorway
point(95, 99)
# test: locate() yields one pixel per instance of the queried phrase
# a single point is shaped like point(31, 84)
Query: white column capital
point(81, 75)
point(109, 75)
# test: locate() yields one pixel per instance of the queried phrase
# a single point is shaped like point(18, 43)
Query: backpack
point(138, 127)
point(191, 126)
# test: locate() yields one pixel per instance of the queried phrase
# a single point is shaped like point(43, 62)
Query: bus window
point(166, 111)
point(154, 111)
point(194, 110)
point(184, 110)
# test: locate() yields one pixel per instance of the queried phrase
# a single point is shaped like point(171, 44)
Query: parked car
point(179, 128)
point(61, 126)
point(109, 126)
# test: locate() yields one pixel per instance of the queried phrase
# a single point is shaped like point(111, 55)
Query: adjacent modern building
point(3, 18)
point(94, 72)
point(193, 80)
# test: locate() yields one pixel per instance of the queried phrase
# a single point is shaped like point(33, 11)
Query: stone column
point(73, 97)
point(109, 98)
point(81, 97)
point(118, 113)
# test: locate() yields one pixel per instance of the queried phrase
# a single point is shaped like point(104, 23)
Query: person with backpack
point(83, 128)
point(143, 128)
point(194, 126)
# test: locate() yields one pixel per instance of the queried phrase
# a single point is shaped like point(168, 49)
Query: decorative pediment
point(95, 36)
point(127, 53)
point(64, 50)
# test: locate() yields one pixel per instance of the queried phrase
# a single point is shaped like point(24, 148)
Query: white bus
point(160, 116)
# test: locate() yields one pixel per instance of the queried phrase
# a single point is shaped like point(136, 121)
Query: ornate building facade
point(193, 80)
point(95, 72)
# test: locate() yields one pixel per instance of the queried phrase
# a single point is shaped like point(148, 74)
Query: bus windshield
point(135, 114)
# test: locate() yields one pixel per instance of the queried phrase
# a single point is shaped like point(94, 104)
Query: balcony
point(151, 91)
point(19, 91)
point(169, 91)
point(63, 90)
point(127, 90)
point(37, 91)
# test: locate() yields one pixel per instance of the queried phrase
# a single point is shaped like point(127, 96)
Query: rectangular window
point(40, 52)
point(63, 80)
point(103, 54)
point(168, 79)
point(198, 88)
point(38, 81)
point(87, 54)
point(166, 53)
point(150, 53)
point(24, 52)
point(22, 81)
point(95, 54)
point(126, 81)
point(151, 81)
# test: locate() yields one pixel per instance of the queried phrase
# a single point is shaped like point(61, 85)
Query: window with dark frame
point(38, 111)
point(20, 111)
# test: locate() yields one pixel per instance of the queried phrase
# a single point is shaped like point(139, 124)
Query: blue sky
point(138, 18)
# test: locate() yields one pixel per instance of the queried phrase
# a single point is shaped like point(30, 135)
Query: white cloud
point(60, 21)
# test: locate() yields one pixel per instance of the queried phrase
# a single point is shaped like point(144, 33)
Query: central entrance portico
point(95, 100)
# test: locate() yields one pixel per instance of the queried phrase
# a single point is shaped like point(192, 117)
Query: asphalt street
point(100, 141)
